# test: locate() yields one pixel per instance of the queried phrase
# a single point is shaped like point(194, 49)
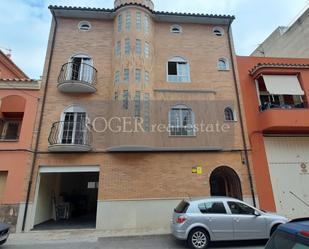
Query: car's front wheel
point(198, 239)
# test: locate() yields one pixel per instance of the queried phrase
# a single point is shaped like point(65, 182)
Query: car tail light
point(304, 233)
point(181, 219)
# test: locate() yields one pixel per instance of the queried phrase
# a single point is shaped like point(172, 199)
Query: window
point(212, 208)
point(128, 20)
point(146, 24)
point(80, 69)
point(147, 78)
point(138, 47)
point(118, 48)
point(125, 102)
point(137, 104)
point(119, 23)
point(229, 114)
point(218, 31)
point(73, 126)
point(10, 128)
point(84, 25)
point(147, 50)
point(117, 77)
point(3, 179)
point(126, 75)
point(176, 29)
point(223, 64)
point(240, 208)
point(127, 47)
point(182, 207)
point(137, 75)
point(178, 70)
point(146, 111)
point(181, 121)
point(138, 21)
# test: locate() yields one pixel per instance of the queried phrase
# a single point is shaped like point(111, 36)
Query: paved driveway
point(142, 242)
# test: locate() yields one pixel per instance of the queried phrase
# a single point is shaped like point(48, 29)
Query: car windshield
point(182, 207)
point(282, 240)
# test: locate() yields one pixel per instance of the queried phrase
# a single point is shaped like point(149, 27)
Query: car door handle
point(236, 219)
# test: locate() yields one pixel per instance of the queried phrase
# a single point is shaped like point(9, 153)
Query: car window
point(212, 208)
point(240, 208)
point(182, 207)
point(282, 240)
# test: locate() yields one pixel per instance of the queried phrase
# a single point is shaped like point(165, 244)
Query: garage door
point(288, 160)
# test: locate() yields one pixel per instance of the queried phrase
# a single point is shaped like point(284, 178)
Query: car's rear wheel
point(198, 239)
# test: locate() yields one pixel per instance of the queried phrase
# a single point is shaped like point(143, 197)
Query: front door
point(245, 223)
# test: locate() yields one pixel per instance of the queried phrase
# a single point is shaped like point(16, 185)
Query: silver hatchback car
point(221, 218)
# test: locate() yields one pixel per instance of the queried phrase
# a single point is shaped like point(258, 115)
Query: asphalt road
point(143, 242)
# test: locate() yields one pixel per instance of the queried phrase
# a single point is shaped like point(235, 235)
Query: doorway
point(67, 201)
point(224, 181)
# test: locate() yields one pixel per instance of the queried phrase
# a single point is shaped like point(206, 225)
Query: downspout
point(35, 153)
point(241, 116)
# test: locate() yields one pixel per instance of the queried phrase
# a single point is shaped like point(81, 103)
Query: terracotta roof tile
point(276, 65)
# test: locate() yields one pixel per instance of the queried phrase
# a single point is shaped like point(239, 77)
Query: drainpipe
point(241, 116)
point(35, 153)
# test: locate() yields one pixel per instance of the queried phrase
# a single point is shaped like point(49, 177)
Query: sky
point(25, 24)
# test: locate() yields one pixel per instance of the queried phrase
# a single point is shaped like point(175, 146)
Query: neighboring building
point(19, 99)
point(170, 69)
point(291, 41)
point(275, 94)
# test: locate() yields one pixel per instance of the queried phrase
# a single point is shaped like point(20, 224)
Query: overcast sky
point(25, 24)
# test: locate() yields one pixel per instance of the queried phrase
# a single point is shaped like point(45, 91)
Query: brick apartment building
point(275, 94)
point(169, 73)
point(19, 101)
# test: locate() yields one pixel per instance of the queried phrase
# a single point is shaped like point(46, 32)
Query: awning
point(283, 85)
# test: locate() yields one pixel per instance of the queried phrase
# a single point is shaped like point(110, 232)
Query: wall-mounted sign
point(197, 170)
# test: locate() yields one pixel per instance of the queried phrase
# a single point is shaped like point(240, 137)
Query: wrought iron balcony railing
point(66, 135)
point(77, 77)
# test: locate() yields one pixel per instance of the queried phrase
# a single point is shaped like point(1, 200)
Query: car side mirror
point(257, 214)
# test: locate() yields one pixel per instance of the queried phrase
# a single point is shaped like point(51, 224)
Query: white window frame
point(83, 74)
point(126, 75)
point(118, 49)
point(220, 29)
point(138, 75)
point(147, 50)
point(138, 46)
point(233, 112)
point(146, 24)
point(81, 23)
point(138, 21)
point(117, 77)
point(181, 108)
point(147, 78)
point(178, 78)
point(119, 22)
point(128, 20)
point(176, 26)
point(127, 46)
point(227, 66)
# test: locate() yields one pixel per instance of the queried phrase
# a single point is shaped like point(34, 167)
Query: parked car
point(292, 235)
point(4, 233)
point(221, 218)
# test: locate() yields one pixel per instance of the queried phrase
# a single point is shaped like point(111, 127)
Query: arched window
point(73, 125)
point(178, 70)
point(80, 68)
point(176, 29)
point(218, 31)
point(181, 121)
point(229, 114)
point(84, 25)
point(223, 64)
point(224, 181)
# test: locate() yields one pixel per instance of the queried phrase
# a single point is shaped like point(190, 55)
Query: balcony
point(77, 78)
point(67, 136)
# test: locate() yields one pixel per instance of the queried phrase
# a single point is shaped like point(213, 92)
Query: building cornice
point(160, 16)
point(24, 84)
point(261, 66)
